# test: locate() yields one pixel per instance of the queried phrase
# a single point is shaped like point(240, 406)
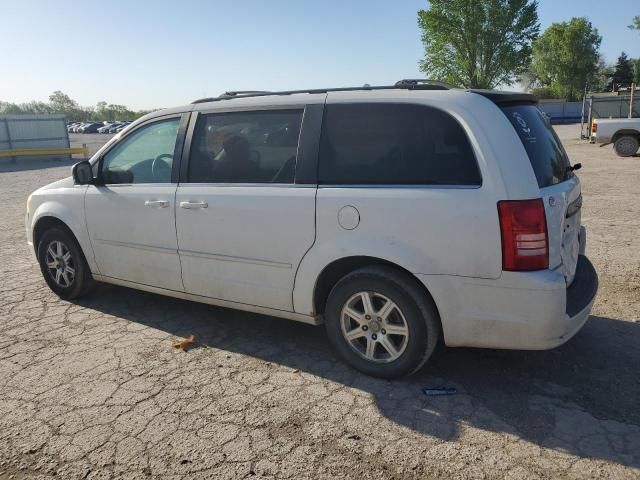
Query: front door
point(131, 215)
point(243, 223)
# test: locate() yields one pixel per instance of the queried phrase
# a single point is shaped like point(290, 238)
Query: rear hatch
point(559, 186)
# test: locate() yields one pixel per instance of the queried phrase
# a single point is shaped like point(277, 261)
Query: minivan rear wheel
point(626, 146)
point(381, 322)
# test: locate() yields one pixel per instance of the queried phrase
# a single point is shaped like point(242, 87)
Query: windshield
point(547, 156)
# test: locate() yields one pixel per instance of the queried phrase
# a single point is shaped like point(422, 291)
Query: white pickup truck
point(624, 133)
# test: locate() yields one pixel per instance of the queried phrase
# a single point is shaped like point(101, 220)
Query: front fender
point(65, 204)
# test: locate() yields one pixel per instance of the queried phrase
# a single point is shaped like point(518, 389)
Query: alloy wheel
point(374, 327)
point(60, 264)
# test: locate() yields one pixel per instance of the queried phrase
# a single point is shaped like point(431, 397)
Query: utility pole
point(584, 99)
point(590, 117)
point(633, 89)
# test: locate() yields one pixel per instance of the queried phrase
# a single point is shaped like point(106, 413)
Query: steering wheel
point(160, 168)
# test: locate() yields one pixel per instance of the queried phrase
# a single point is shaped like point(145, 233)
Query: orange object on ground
point(184, 343)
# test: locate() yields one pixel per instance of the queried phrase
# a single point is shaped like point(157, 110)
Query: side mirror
point(82, 173)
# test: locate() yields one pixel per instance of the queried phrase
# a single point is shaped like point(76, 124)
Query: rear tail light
point(594, 127)
point(523, 226)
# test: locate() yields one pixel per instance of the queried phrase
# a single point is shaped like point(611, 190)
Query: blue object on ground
point(437, 391)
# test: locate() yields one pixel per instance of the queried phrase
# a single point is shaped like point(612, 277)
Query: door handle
point(193, 205)
point(156, 203)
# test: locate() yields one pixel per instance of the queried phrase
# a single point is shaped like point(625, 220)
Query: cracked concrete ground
point(94, 389)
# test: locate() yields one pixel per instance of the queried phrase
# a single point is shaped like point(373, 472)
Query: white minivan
point(397, 216)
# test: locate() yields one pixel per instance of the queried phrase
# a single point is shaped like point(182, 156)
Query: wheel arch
point(625, 133)
point(46, 222)
point(339, 268)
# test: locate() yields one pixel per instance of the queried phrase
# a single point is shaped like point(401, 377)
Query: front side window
point(394, 144)
point(245, 147)
point(145, 156)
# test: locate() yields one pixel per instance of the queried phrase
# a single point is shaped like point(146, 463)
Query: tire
point(412, 312)
point(626, 146)
point(71, 269)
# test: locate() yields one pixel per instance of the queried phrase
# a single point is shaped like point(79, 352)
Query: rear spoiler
point(506, 98)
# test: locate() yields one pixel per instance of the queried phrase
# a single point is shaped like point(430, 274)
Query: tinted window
point(245, 147)
point(145, 156)
point(548, 158)
point(394, 144)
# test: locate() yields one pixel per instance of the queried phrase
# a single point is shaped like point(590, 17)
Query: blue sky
point(145, 54)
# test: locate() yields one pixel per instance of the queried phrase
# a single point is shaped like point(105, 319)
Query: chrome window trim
point(215, 185)
point(404, 186)
point(157, 184)
point(253, 108)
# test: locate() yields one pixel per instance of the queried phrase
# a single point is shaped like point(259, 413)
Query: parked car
point(78, 127)
point(106, 127)
point(90, 128)
point(114, 127)
point(624, 133)
point(71, 126)
point(121, 127)
point(419, 214)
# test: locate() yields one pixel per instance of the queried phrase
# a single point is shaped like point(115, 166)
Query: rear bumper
point(582, 292)
point(520, 310)
point(600, 138)
point(580, 296)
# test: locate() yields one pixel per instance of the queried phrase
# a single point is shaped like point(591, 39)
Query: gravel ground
point(94, 389)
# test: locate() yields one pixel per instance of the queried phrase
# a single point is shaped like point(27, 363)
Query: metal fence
point(615, 106)
point(24, 132)
point(610, 106)
point(560, 111)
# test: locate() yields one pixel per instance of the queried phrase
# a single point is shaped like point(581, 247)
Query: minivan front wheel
point(63, 265)
point(381, 323)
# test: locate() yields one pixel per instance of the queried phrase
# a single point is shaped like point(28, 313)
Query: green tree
point(36, 106)
point(565, 57)
point(635, 23)
point(8, 108)
point(543, 93)
point(601, 81)
point(61, 102)
point(636, 71)
point(102, 111)
point(479, 43)
point(623, 73)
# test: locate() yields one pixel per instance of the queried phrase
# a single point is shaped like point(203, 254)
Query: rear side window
point(547, 156)
point(245, 147)
point(381, 143)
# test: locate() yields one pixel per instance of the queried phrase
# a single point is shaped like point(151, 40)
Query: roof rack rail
point(235, 93)
point(419, 84)
point(422, 84)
